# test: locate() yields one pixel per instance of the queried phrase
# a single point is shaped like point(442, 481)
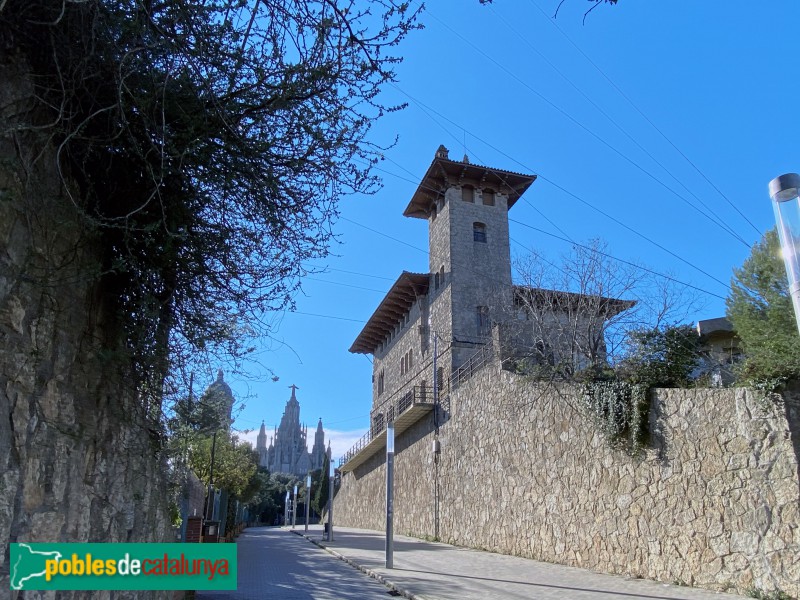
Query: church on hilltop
point(287, 451)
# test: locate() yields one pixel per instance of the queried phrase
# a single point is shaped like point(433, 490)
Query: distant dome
point(223, 395)
point(220, 387)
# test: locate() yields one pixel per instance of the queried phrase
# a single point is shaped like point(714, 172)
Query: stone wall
point(523, 470)
point(76, 460)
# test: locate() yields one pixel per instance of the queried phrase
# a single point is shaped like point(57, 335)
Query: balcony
point(404, 410)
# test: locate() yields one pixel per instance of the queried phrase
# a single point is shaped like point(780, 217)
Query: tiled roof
point(397, 302)
point(443, 173)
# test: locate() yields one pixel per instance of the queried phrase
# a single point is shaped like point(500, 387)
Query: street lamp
point(390, 492)
point(308, 497)
point(294, 506)
point(785, 202)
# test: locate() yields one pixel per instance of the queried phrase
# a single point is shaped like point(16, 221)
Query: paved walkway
point(428, 571)
point(273, 563)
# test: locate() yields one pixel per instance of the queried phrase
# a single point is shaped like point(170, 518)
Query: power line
point(569, 240)
point(613, 121)
point(632, 264)
point(576, 197)
point(585, 128)
point(386, 235)
point(355, 287)
point(644, 116)
point(357, 273)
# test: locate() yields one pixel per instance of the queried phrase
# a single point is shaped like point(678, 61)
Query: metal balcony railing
point(389, 411)
point(395, 407)
point(475, 362)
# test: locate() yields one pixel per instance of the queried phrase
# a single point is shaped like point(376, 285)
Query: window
point(467, 193)
point(482, 319)
point(488, 198)
point(441, 274)
point(406, 362)
point(380, 383)
point(479, 232)
point(436, 281)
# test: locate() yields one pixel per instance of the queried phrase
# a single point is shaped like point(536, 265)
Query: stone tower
point(261, 445)
point(466, 207)
point(219, 396)
point(318, 451)
point(468, 286)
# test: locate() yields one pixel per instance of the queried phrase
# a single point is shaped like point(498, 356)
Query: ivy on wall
point(620, 409)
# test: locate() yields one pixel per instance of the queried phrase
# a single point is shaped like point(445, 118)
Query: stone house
point(721, 351)
point(443, 321)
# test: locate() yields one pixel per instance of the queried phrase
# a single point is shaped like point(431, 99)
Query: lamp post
point(286, 510)
point(331, 483)
point(294, 506)
point(784, 191)
point(308, 498)
point(211, 498)
point(390, 493)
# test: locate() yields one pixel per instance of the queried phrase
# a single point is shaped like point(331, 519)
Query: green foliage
point(776, 595)
point(620, 399)
point(760, 309)
point(621, 410)
point(235, 464)
point(662, 356)
point(320, 501)
point(205, 146)
point(268, 503)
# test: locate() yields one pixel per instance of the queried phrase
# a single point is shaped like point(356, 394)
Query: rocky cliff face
point(77, 462)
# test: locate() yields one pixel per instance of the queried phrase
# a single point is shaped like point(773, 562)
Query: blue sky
point(719, 80)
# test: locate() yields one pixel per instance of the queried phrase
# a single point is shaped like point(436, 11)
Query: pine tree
point(760, 308)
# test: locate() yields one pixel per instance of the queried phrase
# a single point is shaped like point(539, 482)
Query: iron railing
point(475, 363)
point(389, 411)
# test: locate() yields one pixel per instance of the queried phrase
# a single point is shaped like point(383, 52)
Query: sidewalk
point(434, 571)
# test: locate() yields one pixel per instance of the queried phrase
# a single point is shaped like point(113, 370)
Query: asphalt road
point(275, 563)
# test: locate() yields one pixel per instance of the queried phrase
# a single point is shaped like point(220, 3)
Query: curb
point(369, 572)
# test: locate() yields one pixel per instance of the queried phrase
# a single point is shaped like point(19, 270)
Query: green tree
point(760, 309)
point(320, 501)
point(235, 464)
point(662, 356)
point(205, 145)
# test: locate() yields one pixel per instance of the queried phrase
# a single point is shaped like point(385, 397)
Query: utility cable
point(570, 241)
point(645, 117)
point(598, 108)
point(581, 200)
point(585, 128)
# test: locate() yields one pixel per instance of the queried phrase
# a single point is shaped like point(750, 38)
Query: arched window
point(467, 193)
point(488, 197)
point(479, 232)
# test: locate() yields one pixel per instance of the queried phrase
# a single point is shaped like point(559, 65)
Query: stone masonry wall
point(523, 470)
point(76, 462)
